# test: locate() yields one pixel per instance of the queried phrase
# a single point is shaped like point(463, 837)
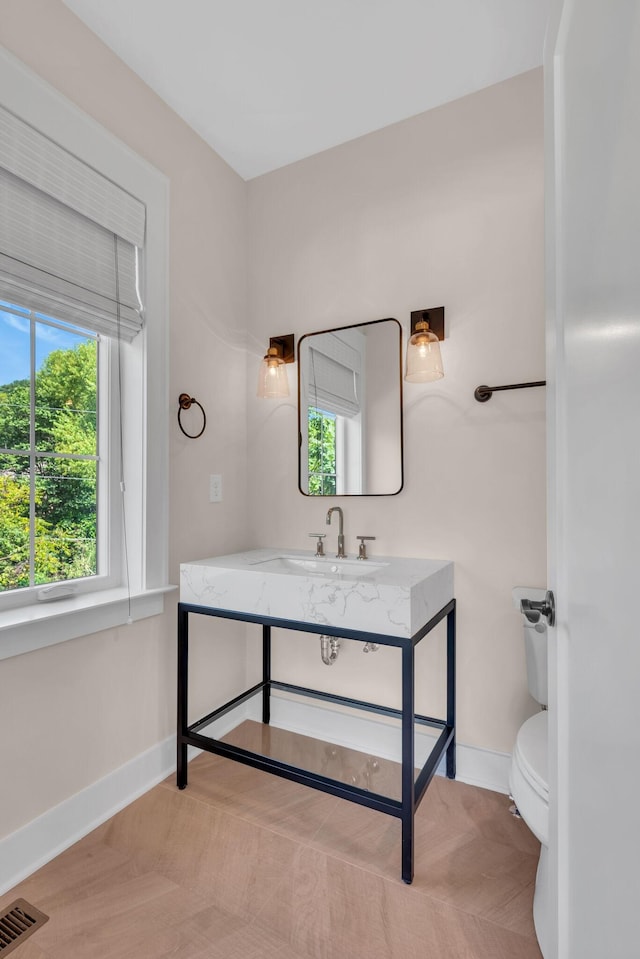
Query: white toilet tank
point(535, 645)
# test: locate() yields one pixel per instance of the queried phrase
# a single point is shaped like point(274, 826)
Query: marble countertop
point(389, 595)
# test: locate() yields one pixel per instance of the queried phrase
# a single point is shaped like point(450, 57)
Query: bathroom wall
point(71, 713)
point(445, 208)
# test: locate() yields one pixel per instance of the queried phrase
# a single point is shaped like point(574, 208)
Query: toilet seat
point(528, 779)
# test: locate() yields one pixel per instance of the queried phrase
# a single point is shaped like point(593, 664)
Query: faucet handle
point(362, 549)
point(320, 544)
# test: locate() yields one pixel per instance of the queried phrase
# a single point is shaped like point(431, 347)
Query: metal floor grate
point(17, 923)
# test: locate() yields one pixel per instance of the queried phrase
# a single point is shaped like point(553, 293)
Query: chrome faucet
point(337, 509)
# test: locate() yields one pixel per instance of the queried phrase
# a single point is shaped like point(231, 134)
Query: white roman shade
point(334, 370)
point(70, 239)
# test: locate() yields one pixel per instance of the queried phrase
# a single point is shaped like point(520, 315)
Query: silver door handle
point(533, 609)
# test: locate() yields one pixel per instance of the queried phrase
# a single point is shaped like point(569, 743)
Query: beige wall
point(81, 709)
point(445, 208)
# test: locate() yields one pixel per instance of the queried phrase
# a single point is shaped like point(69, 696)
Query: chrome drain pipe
point(329, 649)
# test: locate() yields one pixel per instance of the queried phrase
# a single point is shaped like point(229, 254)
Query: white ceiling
point(268, 82)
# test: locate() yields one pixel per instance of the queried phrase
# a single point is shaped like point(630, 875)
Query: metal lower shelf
point(413, 787)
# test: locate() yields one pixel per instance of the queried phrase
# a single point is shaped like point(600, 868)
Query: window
point(107, 207)
point(50, 452)
point(331, 380)
point(322, 453)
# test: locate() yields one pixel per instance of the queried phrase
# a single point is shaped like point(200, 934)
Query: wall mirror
point(350, 410)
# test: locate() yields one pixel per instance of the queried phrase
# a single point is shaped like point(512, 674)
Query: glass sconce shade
point(273, 382)
point(424, 362)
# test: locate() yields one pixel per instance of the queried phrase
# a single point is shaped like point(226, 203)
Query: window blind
point(70, 240)
point(333, 385)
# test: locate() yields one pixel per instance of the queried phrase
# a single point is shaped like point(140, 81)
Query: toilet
point(528, 776)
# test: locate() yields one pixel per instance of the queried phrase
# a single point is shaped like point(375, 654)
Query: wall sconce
point(424, 362)
point(273, 382)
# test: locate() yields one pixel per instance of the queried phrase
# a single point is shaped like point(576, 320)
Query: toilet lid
point(530, 753)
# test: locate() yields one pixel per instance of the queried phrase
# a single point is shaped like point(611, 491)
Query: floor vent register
point(17, 923)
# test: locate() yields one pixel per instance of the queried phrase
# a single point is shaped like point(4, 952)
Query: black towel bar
point(484, 393)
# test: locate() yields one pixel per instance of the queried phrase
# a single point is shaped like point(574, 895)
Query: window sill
point(45, 624)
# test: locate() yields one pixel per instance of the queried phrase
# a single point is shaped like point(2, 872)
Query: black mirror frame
point(336, 329)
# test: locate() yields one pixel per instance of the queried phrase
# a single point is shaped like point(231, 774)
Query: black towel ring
point(184, 403)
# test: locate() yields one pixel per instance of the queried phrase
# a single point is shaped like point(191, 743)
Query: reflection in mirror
point(350, 410)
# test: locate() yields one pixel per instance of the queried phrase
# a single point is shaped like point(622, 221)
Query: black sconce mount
point(285, 347)
point(434, 317)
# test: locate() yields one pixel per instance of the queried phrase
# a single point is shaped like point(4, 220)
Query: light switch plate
point(215, 488)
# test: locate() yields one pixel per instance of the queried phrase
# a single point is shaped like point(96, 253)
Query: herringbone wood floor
point(242, 865)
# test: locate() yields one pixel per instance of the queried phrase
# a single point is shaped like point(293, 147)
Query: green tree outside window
point(322, 452)
point(56, 521)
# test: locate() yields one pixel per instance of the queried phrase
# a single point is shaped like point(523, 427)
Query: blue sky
point(14, 345)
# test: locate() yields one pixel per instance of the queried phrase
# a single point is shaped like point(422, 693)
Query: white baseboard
point(39, 841)
point(474, 765)
point(44, 838)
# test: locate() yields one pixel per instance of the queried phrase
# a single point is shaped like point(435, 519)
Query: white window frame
point(145, 382)
point(109, 518)
point(349, 442)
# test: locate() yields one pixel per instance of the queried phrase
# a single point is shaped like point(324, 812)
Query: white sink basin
point(389, 595)
point(321, 566)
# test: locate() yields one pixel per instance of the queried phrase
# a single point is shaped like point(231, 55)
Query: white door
point(592, 77)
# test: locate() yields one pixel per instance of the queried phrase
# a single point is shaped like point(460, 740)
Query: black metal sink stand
point(413, 789)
